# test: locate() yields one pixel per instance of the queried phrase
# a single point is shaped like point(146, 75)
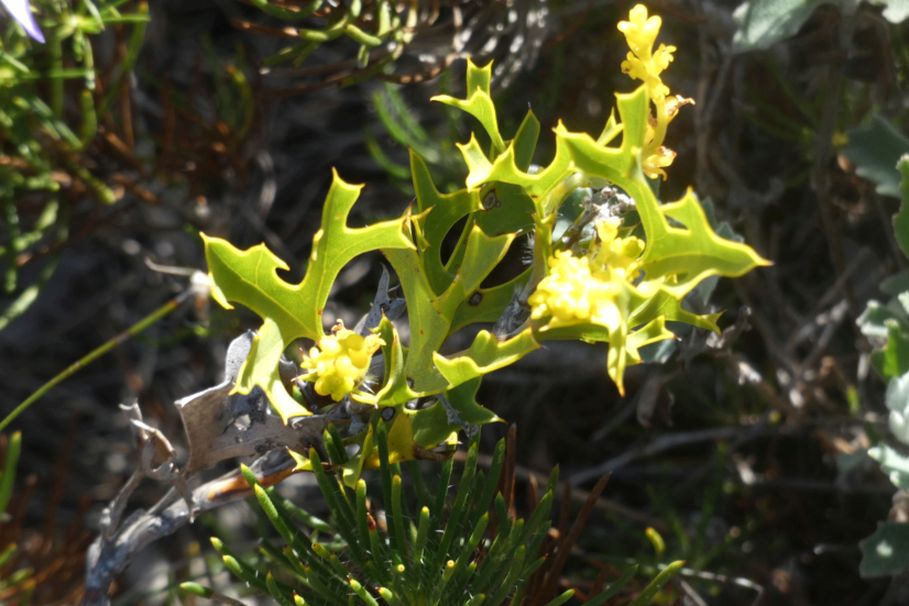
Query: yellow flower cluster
point(592, 288)
point(339, 361)
point(567, 294)
point(642, 62)
point(645, 64)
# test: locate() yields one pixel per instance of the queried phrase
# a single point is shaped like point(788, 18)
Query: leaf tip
point(339, 181)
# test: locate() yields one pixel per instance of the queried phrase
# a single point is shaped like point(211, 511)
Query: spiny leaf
point(412, 431)
point(395, 389)
point(574, 151)
point(428, 325)
point(261, 369)
point(485, 355)
point(693, 252)
point(665, 304)
point(525, 140)
point(292, 311)
point(623, 348)
point(481, 254)
point(488, 304)
point(438, 214)
point(250, 277)
point(463, 399)
point(478, 103)
point(336, 244)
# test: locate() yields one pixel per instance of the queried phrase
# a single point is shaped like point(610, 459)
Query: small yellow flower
point(339, 361)
point(640, 30)
point(653, 164)
point(616, 258)
point(673, 104)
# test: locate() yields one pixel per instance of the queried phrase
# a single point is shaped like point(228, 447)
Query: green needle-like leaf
point(653, 588)
point(901, 218)
point(8, 476)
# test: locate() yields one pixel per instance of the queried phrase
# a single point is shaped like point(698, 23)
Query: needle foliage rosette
point(450, 541)
point(438, 554)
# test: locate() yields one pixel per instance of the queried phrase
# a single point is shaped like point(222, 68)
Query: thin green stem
point(55, 47)
point(93, 355)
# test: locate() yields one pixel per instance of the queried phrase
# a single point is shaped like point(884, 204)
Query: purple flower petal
point(20, 11)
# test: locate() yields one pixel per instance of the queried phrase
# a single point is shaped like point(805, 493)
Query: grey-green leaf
point(886, 552)
point(763, 23)
point(875, 147)
point(893, 463)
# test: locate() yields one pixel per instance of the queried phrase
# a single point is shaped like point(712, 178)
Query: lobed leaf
point(478, 102)
point(294, 311)
point(485, 355)
point(694, 252)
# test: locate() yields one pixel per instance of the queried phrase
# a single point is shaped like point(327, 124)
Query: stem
point(93, 355)
point(55, 47)
point(662, 123)
point(551, 202)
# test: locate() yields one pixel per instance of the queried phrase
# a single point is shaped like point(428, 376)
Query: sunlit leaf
point(693, 252)
point(478, 102)
point(485, 355)
point(294, 311)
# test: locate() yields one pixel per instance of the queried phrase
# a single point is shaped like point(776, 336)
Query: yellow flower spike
point(642, 63)
point(645, 64)
point(339, 361)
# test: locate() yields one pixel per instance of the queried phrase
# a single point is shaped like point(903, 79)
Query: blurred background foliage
point(746, 454)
